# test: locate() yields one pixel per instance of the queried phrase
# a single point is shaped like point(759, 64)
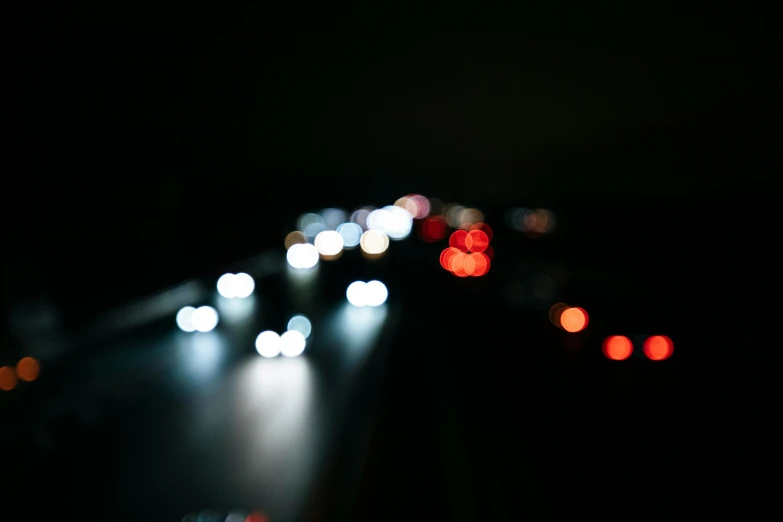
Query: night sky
point(130, 122)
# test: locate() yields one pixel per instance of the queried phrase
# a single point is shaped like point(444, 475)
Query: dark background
point(151, 145)
point(129, 123)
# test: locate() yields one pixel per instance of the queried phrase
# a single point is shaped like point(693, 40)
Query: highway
point(456, 395)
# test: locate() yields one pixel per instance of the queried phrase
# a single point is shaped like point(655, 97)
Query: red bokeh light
point(476, 241)
point(457, 240)
point(484, 228)
point(257, 517)
point(618, 347)
point(433, 229)
point(658, 347)
point(469, 253)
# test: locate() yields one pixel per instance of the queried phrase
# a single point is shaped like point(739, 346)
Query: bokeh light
point(28, 369)
point(269, 344)
point(332, 217)
point(360, 216)
point(484, 228)
point(457, 240)
point(417, 205)
point(396, 222)
point(244, 285)
point(235, 285)
point(617, 347)
point(446, 255)
point(476, 241)
point(7, 378)
point(301, 324)
point(533, 222)
point(185, 319)
point(464, 264)
point(457, 265)
point(658, 347)
point(204, 319)
point(372, 293)
point(329, 243)
point(481, 264)
point(292, 343)
point(555, 311)
point(257, 517)
point(225, 285)
point(302, 256)
point(351, 234)
point(453, 212)
point(433, 229)
point(468, 217)
point(467, 252)
point(355, 293)
point(310, 224)
point(574, 319)
point(375, 293)
point(294, 238)
point(374, 242)
point(539, 221)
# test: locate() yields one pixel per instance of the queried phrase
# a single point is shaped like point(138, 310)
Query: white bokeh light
point(302, 256)
point(374, 242)
point(269, 344)
point(356, 293)
point(243, 285)
point(235, 285)
point(351, 234)
point(225, 285)
point(185, 319)
point(375, 293)
point(293, 343)
point(204, 319)
point(329, 243)
point(301, 324)
point(395, 221)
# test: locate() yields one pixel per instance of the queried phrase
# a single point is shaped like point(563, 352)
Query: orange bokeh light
point(476, 241)
point(658, 347)
point(573, 319)
point(7, 378)
point(457, 240)
point(457, 264)
point(27, 369)
point(446, 255)
point(463, 264)
point(618, 347)
point(481, 264)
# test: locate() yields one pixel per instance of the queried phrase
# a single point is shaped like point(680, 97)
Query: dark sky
point(129, 121)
